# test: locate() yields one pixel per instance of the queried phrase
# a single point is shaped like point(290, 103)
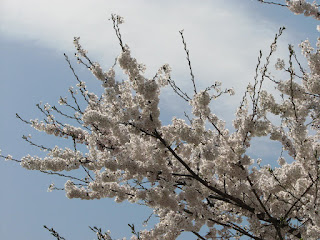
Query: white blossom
point(51, 187)
point(280, 64)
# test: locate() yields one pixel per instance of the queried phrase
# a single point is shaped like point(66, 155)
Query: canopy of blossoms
point(195, 172)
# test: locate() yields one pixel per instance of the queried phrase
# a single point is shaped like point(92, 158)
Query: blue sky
point(224, 38)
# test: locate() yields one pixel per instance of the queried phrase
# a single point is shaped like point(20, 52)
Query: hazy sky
point(224, 39)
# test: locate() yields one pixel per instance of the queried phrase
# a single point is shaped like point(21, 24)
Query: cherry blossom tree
point(193, 172)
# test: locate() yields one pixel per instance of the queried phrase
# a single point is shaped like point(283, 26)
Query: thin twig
point(189, 62)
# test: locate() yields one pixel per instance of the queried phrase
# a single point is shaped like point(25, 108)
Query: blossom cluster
point(303, 7)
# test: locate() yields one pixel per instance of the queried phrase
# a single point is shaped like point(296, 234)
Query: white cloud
point(224, 41)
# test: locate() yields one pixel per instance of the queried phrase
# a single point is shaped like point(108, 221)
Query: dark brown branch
point(54, 233)
point(77, 78)
point(272, 3)
point(198, 235)
point(189, 62)
point(63, 175)
point(115, 20)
